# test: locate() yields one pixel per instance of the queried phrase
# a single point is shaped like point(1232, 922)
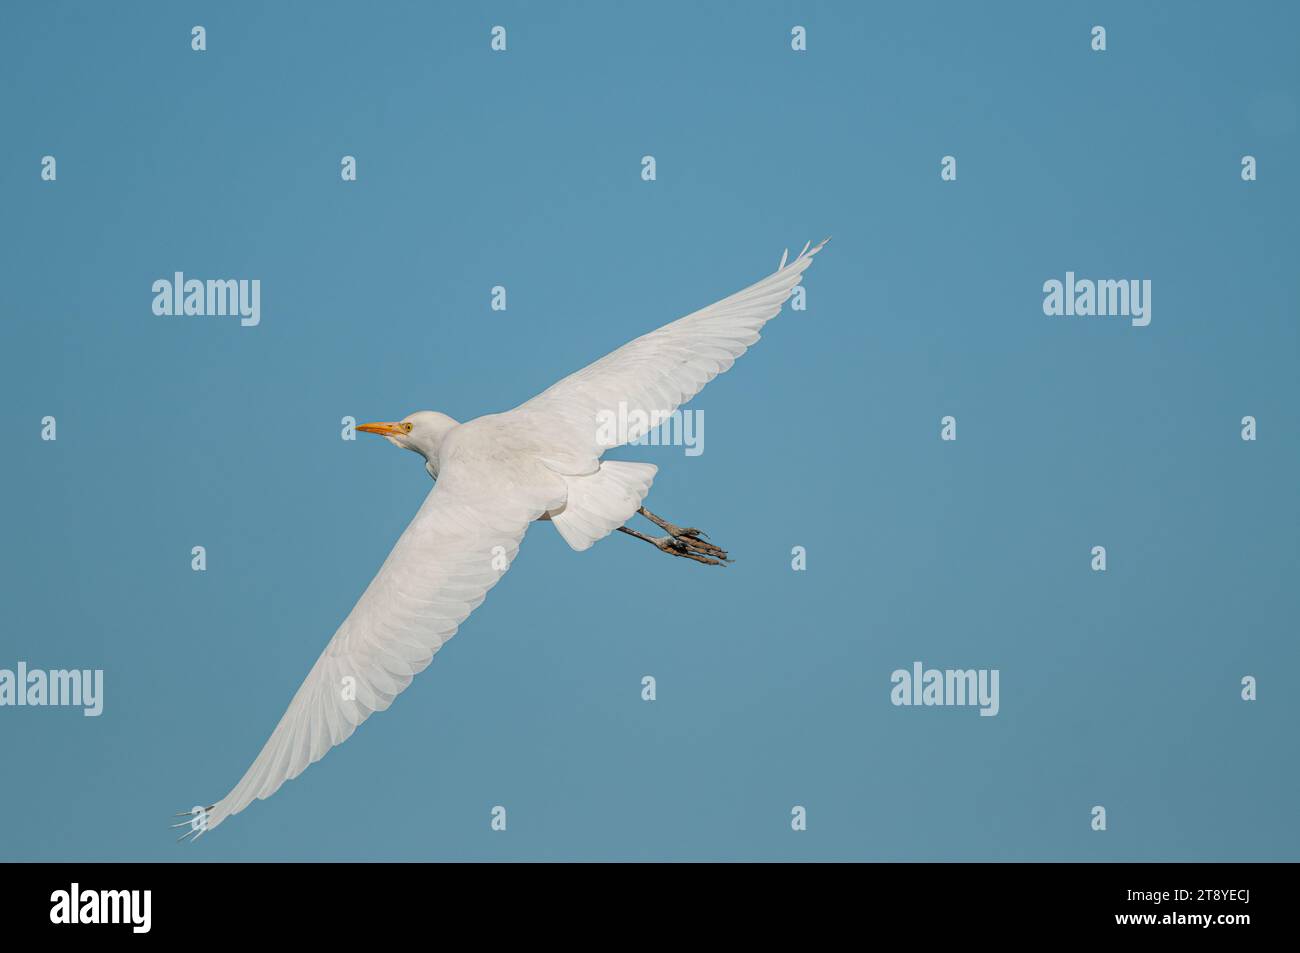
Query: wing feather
point(649, 378)
point(455, 549)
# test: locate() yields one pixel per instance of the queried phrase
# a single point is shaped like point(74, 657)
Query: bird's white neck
point(427, 438)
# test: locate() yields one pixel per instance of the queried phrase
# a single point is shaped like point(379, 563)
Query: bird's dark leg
point(680, 541)
point(671, 528)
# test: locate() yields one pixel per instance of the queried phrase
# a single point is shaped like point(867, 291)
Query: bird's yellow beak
point(383, 429)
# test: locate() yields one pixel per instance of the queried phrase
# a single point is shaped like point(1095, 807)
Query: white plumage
point(494, 476)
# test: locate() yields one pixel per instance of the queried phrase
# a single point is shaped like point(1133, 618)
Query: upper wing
point(645, 380)
point(459, 544)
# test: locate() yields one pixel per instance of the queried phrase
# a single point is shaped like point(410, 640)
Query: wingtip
point(809, 249)
point(195, 830)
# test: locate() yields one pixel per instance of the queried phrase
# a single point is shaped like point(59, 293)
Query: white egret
point(493, 477)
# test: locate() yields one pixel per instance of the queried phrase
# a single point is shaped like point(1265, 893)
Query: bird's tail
point(601, 502)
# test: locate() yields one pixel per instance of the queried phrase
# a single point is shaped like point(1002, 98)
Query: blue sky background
point(522, 169)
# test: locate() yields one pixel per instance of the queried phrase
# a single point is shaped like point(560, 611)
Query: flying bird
point(493, 477)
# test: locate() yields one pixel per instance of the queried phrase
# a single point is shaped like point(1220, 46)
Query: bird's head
point(422, 431)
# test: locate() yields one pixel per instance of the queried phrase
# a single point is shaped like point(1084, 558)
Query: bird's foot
point(688, 545)
point(684, 541)
point(672, 529)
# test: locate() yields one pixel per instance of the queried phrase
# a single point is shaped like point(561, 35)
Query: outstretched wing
point(645, 380)
point(457, 547)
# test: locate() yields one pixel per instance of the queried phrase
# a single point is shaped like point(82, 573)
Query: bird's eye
point(407, 427)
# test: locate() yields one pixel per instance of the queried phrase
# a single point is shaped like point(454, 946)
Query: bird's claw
point(690, 546)
point(685, 541)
